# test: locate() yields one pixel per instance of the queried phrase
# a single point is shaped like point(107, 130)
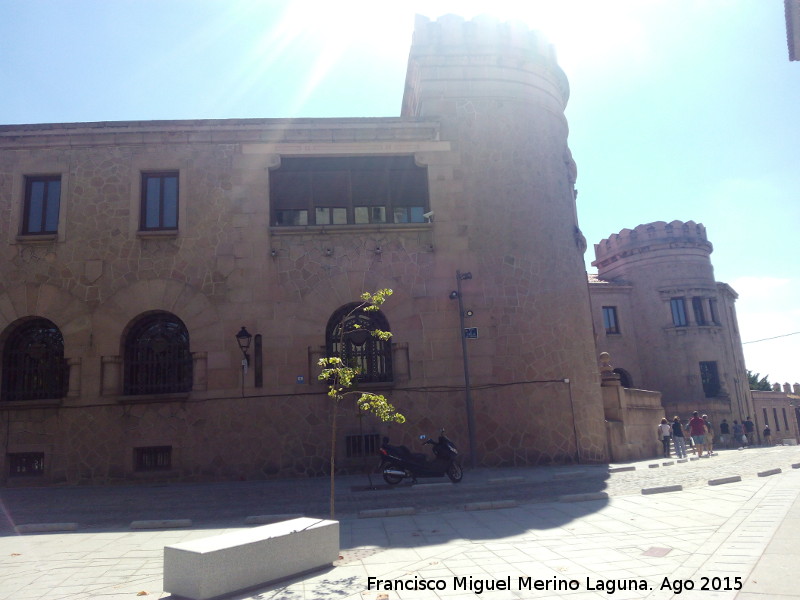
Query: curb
point(45, 527)
point(769, 472)
point(386, 512)
point(722, 480)
point(584, 497)
point(267, 519)
point(491, 505)
point(161, 524)
point(507, 480)
point(569, 475)
point(662, 489)
point(620, 469)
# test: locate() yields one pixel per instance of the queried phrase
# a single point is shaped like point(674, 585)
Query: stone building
point(667, 324)
point(780, 409)
point(134, 252)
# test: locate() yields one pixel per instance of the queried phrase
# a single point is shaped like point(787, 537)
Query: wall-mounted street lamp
point(456, 295)
point(243, 338)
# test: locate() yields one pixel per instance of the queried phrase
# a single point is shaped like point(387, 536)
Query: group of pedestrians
point(698, 434)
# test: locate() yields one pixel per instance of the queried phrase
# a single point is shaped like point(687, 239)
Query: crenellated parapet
point(651, 237)
point(454, 33)
point(492, 49)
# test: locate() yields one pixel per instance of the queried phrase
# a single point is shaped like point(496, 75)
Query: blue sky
point(680, 109)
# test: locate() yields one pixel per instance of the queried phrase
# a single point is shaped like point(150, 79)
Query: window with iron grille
point(357, 446)
point(152, 458)
point(348, 337)
point(157, 357)
point(42, 203)
point(34, 367)
point(26, 464)
point(709, 375)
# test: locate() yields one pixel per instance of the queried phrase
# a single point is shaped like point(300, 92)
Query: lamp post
point(243, 338)
point(456, 295)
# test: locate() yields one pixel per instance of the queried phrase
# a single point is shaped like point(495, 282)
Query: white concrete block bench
point(220, 565)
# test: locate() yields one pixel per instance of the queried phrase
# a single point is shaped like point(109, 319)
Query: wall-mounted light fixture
point(243, 338)
point(273, 253)
point(328, 251)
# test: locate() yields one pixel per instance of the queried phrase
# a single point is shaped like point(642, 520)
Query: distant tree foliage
point(762, 384)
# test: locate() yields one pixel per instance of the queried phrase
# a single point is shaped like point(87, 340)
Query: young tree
point(342, 378)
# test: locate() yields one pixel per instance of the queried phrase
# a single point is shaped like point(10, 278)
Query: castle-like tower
point(509, 218)
point(668, 325)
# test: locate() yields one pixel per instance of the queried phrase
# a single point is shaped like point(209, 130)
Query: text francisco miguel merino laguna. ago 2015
point(553, 584)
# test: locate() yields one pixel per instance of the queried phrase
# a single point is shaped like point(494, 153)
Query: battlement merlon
point(487, 41)
point(652, 236)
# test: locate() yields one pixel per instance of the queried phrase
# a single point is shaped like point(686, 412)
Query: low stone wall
point(632, 418)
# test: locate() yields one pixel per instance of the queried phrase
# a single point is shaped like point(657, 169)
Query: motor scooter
point(398, 462)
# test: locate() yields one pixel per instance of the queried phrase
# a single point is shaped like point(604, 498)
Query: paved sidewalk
point(740, 532)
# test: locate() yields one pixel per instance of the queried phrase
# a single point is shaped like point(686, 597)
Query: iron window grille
point(710, 378)
point(26, 464)
point(157, 356)
point(34, 367)
point(358, 446)
point(348, 337)
point(153, 458)
point(42, 204)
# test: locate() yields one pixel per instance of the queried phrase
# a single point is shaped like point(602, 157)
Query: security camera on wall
point(428, 217)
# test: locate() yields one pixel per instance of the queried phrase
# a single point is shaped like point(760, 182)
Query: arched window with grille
point(34, 367)
point(157, 357)
point(348, 336)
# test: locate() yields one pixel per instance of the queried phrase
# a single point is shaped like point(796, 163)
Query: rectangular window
point(699, 312)
point(291, 217)
point(785, 420)
point(610, 319)
point(712, 307)
point(370, 214)
point(26, 464)
point(409, 214)
point(159, 201)
point(678, 306)
point(42, 203)
point(361, 445)
point(152, 458)
point(710, 378)
point(330, 216)
point(348, 190)
point(766, 420)
point(775, 416)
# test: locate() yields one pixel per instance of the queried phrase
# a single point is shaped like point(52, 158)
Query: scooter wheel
point(454, 472)
point(391, 478)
